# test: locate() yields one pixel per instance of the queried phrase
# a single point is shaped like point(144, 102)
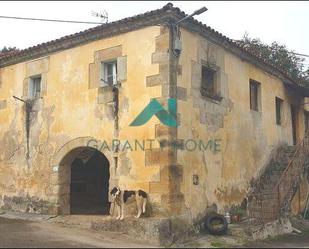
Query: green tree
point(306, 75)
point(7, 49)
point(278, 55)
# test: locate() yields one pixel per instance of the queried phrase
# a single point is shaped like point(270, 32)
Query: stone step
point(271, 180)
point(267, 192)
point(264, 200)
point(270, 193)
point(265, 203)
point(290, 148)
point(265, 187)
point(276, 167)
point(280, 166)
point(239, 230)
point(153, 229)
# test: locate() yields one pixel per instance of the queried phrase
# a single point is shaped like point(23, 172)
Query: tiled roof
point(105, 30)
point(8, 53)
point(165, 14)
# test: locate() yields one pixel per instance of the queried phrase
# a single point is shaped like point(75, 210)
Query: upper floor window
point(35, 87)
point(255, 95)
point(279, 104)
point(109, 72)
point(208, 86)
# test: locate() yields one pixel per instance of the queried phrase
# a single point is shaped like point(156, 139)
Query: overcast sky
point(285, 22)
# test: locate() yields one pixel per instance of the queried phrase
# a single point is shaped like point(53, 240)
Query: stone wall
point(222, 177)
point(73, 109)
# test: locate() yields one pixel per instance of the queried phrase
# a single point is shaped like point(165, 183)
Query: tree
point(280, 56)
point(306, 75)
point(8, 49)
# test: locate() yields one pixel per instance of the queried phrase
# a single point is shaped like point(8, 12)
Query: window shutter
point(103, 75)
point(114, 73)
point(26, 88)
point(122, 68)
point(94, 75)
point(30, 88)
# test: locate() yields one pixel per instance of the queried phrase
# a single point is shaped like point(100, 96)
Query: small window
point(255, 95)
point(279, 104)
point(208, 87)
point(109, 73)
point(35, 87)
point(306, 121)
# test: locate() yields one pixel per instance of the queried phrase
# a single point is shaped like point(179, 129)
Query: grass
point(217, 244)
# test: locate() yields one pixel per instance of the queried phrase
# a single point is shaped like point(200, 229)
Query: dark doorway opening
point(89, 183)
point(294, 117)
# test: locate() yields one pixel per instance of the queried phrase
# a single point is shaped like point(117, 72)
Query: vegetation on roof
point(280, 56)
point(8, 49)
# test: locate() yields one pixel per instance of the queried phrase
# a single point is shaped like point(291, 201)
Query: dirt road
point(24, 233)
point(16, 231)
point(283, 241)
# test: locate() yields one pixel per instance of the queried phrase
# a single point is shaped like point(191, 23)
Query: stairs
point(271, 194)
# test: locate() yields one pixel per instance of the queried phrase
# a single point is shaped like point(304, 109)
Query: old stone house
point(76, 95)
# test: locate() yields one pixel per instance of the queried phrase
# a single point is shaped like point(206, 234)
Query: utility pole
point(174, 196)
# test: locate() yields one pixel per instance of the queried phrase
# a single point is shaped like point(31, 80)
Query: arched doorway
point(83, 179)
point(89, 183)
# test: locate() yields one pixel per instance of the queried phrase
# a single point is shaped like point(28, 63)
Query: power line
point(305, 55)
point(70, 21)
point(47, 20)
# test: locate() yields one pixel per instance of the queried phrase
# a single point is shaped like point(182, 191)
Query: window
point(35, 87)
point(279, 104)
point(109, 73)
point(306, 120)
point(208, 82)
point(255, 95)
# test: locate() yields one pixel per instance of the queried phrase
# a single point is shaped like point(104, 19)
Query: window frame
point(104, 72)
point(256, 104)
point(33, 89)
point(204, 90)
point(279, 110)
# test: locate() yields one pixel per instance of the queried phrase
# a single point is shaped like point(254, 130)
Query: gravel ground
point(25, 233)
point(35, 231)
point(283, 241)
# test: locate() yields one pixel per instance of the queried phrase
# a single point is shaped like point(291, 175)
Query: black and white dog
point(120, 198)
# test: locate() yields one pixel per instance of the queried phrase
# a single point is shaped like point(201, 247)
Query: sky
point(284, 22)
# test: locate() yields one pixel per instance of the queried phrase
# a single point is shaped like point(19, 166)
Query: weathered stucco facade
point(40, 140)
point(247, 137)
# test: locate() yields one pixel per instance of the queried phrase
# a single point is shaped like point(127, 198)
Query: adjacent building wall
point(246, 138)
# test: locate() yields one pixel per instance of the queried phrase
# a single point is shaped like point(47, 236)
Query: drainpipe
point(28, 108)
point(116, 122)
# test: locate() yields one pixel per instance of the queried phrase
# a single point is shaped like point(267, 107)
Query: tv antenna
point(102, 14)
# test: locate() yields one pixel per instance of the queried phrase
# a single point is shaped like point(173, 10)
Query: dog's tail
point(144, 204)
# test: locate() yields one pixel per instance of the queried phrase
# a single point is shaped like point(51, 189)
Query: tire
point(216, 224)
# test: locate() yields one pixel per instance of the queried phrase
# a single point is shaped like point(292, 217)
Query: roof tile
point(151, 17)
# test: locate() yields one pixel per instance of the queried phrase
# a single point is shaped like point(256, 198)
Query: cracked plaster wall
point(247, 137)
point(72, 109)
